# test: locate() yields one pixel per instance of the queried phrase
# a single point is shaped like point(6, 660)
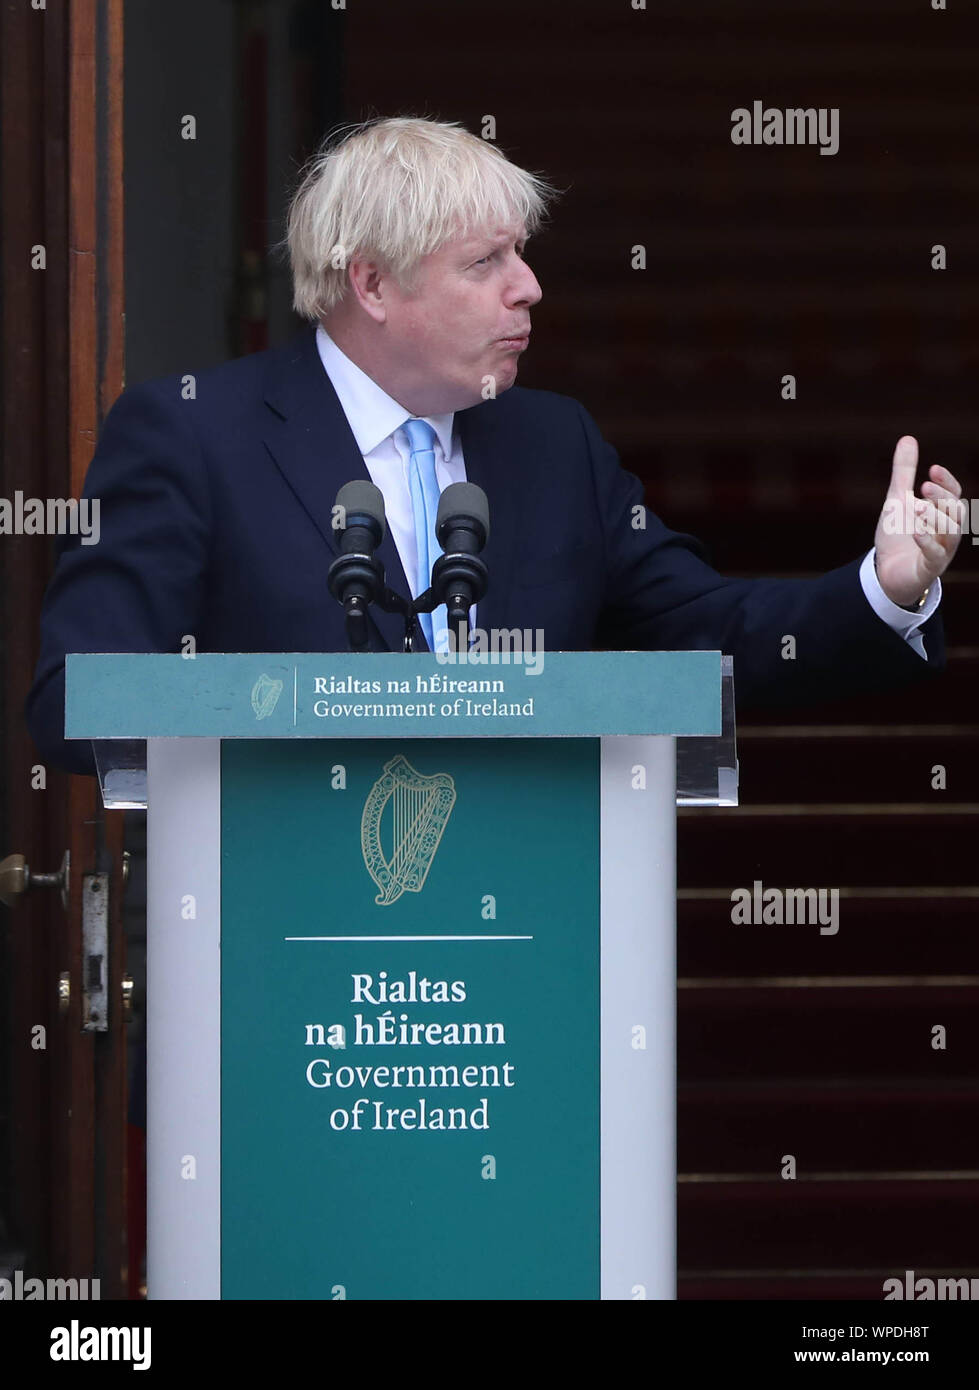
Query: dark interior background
point(760, 261)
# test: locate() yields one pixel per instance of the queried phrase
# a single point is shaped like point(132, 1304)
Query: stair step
point(843, 764)
point(838, 526)
point(656, 421)
point(845, 845)
point(626, 301)
point(830, 1126)
point(801, 1284)
point(913, 932)
point(950, 698)
point(813, 1028)
point(896, 1225)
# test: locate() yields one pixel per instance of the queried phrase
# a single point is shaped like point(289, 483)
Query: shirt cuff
point(905, 624)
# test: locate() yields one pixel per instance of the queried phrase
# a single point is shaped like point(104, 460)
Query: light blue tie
point(424, 503)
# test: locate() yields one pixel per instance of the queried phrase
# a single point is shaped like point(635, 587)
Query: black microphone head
point(362, 504)
point(463, 504)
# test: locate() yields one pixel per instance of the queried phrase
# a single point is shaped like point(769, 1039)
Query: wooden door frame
point(62, 335)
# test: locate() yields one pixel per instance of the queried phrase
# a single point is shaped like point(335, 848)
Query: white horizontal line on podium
point(409, 938)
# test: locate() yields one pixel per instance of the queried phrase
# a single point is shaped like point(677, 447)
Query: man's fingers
point(932, 549)
point(947, 502)
point(943, 517)
point(946, 479)
point(935, 490)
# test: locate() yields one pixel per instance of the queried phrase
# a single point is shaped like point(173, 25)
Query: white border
point(638, 1242)
point(183, 1023)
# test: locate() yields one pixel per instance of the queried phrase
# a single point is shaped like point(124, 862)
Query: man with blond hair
point(407, 240)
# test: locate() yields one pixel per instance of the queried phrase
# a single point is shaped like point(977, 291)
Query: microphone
point(459, 577)
point(356, 576)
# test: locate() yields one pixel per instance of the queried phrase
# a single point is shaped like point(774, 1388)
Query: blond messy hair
point(396, 190)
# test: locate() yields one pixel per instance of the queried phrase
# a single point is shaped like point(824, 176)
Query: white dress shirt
point(377, 424)
point(376, 421)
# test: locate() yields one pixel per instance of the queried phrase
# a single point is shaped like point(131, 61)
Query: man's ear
point(368, 281)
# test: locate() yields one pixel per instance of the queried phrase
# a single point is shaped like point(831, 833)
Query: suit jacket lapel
point(313, 447)
point(490, 462)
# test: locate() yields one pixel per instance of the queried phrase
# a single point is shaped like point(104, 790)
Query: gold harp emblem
point(399, 853)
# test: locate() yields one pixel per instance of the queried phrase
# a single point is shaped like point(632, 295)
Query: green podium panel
point(410, 1079)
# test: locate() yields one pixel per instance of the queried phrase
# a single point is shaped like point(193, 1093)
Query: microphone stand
point(394, 603)
point(391, 602)
point(430, 600)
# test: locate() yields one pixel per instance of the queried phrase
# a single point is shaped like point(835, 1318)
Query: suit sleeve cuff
point(905, 624)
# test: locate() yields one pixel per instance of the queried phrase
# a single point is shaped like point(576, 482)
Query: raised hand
point(916, 537)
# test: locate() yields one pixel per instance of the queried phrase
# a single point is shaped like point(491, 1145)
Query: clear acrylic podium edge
point(706, 767)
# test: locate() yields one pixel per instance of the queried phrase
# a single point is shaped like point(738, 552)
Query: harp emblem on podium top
point(265, 695)
point(405, 815)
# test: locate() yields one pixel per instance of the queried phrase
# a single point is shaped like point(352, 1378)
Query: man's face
point(464, 320)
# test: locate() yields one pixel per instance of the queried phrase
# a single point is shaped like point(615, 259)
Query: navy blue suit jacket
point(215, 517)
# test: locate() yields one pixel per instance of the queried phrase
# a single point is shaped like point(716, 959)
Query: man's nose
point(524, 289)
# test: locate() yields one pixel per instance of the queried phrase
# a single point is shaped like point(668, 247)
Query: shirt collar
point(372, 414)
